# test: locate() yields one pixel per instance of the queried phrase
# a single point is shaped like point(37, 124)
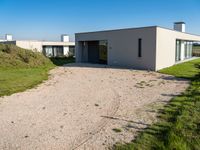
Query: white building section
point(48, 48)
point(149, 48)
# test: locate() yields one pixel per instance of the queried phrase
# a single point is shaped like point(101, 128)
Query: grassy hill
point(12, 56)
point(21, 69)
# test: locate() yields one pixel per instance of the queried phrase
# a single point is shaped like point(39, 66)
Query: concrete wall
point(166, 46)
point(123, 46)
point(31, 45)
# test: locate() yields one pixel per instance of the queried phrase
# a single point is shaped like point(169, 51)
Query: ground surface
point(79, 107)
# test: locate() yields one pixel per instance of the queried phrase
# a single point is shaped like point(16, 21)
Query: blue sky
point(47, 19)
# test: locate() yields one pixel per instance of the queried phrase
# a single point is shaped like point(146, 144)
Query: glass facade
point(53, 51)
point(48, 51)
point(71, 50)
point(183, 50)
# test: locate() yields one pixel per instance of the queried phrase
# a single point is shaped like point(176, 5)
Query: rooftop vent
point(179, 26)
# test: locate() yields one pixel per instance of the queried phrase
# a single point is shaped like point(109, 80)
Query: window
point(48, 51)
point(178, 50)
point(139, 47)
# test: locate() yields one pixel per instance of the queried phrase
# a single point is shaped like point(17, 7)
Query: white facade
point(50, 49)
point(166, 46)
point(150, 48)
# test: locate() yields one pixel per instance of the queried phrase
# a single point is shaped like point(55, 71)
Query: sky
point(48, 19)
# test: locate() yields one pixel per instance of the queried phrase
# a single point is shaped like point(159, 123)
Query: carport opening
point(97, 52)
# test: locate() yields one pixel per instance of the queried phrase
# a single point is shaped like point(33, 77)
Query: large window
point(183, 50)
point(53, 51)
point(58, 51)
point(188, 49)
point(48, 51)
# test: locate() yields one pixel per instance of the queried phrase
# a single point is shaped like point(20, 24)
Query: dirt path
point(79, 106)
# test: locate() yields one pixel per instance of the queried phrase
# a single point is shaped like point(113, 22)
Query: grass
point(186, 70)
point(117, 130)
point(22, 69)
point(178, 127)
point(18, 80)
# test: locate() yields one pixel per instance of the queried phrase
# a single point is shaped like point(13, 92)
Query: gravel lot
point(81, 104)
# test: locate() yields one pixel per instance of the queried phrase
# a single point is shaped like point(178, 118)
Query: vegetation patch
point(117, 130)
point(60, 61)
point(21, 69)
point(178, 127)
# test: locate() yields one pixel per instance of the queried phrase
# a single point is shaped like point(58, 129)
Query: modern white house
point(149, 48)
point(48, 48)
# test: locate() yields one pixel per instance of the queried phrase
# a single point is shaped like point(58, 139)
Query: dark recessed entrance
point(97, 52)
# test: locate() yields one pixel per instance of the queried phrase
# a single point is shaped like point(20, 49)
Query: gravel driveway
point(81, 104)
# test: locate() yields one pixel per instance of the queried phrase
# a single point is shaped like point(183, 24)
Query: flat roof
point(137, 28)
point(45, 43)
point(118, 29)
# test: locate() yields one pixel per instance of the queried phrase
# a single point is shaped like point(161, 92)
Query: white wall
point(166, 46)
point(123, 46)
point(32, 45)
point(66, 50)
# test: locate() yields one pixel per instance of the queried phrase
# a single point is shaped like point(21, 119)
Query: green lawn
point(179, 121)
point(17, 80)
point(184, 70)
point(21, 69)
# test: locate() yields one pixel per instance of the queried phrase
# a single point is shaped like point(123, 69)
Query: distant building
point(150, 48)
point(48, 48)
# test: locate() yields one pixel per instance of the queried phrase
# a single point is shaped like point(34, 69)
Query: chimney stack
point(179, 26)
point(64, 38)
point(8, 37)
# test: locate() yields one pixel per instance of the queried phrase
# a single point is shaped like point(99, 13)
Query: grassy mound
point(12, 56)
point(21, 69)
